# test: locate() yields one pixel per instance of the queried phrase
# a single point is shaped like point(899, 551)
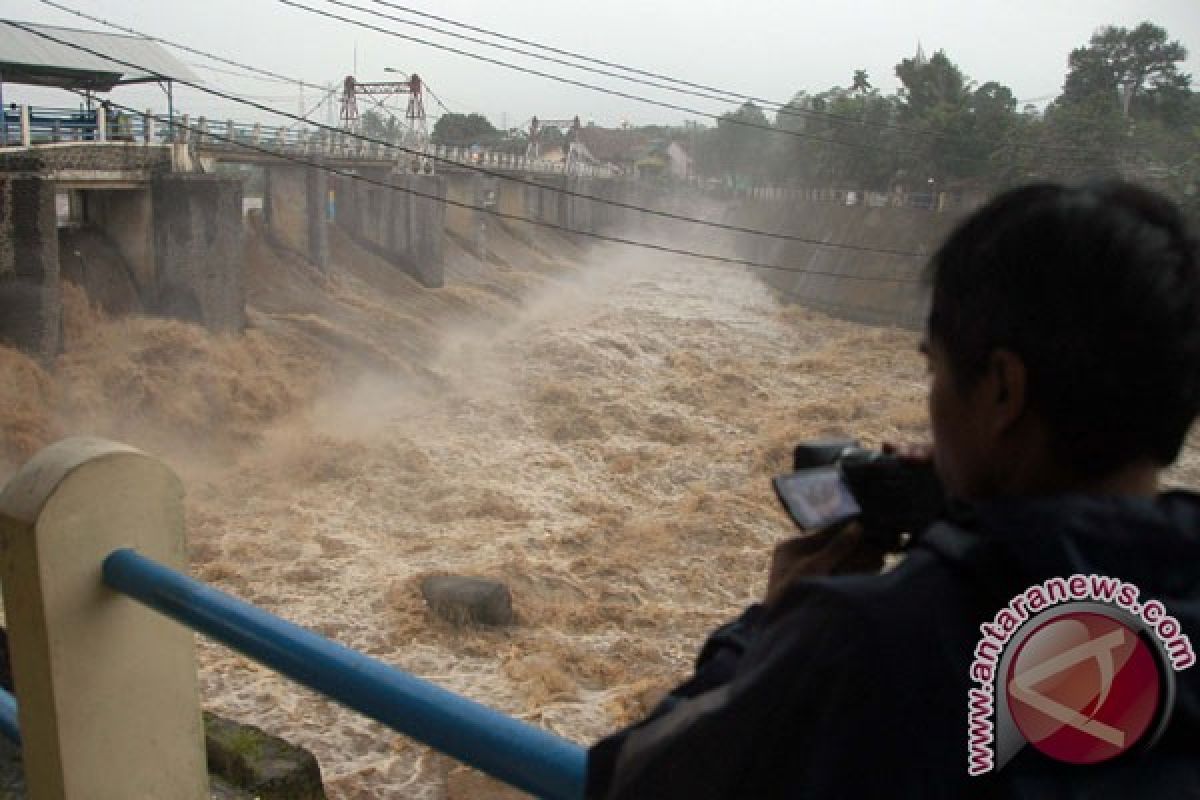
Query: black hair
point(1097, 289)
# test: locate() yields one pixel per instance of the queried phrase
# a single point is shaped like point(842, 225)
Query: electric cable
point(693, 89)
point(237, 73)
point(708, 93)
point(733, 120)
point(350, 175)
point(286, 79)
point(639, 98)
point(186, 48)
point(478, 169)
point(437, 99)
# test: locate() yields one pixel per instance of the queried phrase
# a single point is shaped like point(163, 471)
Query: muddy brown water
point(595, 427)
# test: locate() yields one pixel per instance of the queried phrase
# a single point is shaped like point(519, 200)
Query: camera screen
point(816, 498)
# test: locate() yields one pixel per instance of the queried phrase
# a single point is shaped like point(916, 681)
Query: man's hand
point(914, 453)
point(836, 550)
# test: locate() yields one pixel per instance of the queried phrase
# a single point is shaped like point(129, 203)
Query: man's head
point(1064, 340)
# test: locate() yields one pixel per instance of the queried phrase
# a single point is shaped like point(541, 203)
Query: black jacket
point(857, 686)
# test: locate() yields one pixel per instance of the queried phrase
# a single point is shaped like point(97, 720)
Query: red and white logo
point(1084, 687)
point(1081, 668)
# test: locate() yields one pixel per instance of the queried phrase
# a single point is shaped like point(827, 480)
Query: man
point(1064, 347)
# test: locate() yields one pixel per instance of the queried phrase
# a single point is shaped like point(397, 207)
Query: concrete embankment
point(876, 278)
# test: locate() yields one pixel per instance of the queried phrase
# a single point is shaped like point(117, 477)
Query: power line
point(437, 99)
point(482, 170)
point(115, 26)
point(504, 215)
point(725, 97)
point(729, 97)
point(732, 120)
point(238, 73)
point(594, 87)
point(695, 90)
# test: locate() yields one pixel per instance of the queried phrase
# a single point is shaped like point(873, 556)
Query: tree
point(937, 101)
point(931, 87)
point(1132, 70)
point(462, 129)
point(376, 126)
point(861, 82)
point(738, 147)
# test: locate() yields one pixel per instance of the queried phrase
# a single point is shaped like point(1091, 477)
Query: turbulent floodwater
point(597, 429)
point(606, 451)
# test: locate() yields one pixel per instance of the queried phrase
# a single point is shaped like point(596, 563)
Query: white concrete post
point(107, 690)
point(101, 124)
point(148, 126)
point(26, 133)
point(256, 133)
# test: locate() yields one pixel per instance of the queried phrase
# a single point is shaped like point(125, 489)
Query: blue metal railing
point(71, 125)
point(8, 718)
point(517, 753)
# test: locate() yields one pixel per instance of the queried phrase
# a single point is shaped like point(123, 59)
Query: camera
point(836, 480)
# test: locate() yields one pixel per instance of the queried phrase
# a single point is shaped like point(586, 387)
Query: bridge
point(152, 184)
point(255, 143)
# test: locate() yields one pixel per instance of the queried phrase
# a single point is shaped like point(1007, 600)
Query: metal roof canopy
point(29, 59)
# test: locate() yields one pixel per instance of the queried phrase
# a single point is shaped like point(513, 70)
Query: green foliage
point(931, 88)
point(1135, 70)
point(463, 129)
point(734, 149)
point(866, 155)
point(377, 126)
point(1126, 110)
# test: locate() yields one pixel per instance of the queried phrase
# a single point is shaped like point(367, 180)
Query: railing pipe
point(517, 753)
point(8, 718)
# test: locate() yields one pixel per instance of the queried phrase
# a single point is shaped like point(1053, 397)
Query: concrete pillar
point(553, 203)
point(109, 704)
point(426, 220)
point(295, 204)
point(580, 210)
point(462, 188)
point(30, 299)
point(198, 250)
point(126, 216)
point(316, 183)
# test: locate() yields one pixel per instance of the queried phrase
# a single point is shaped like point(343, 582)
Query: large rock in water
point(244, 763)
point(266, 766)
point(462, 600)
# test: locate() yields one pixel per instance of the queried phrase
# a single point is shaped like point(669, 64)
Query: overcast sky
point(753, 47)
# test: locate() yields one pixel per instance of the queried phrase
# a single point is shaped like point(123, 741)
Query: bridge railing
point(22, 126)
point(92, 564)
point(26, 126)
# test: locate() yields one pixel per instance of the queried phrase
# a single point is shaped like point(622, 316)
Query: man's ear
point(1006, 389)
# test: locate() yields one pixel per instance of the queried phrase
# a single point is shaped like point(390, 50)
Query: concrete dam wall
point(144, 239)
point(876, 288)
